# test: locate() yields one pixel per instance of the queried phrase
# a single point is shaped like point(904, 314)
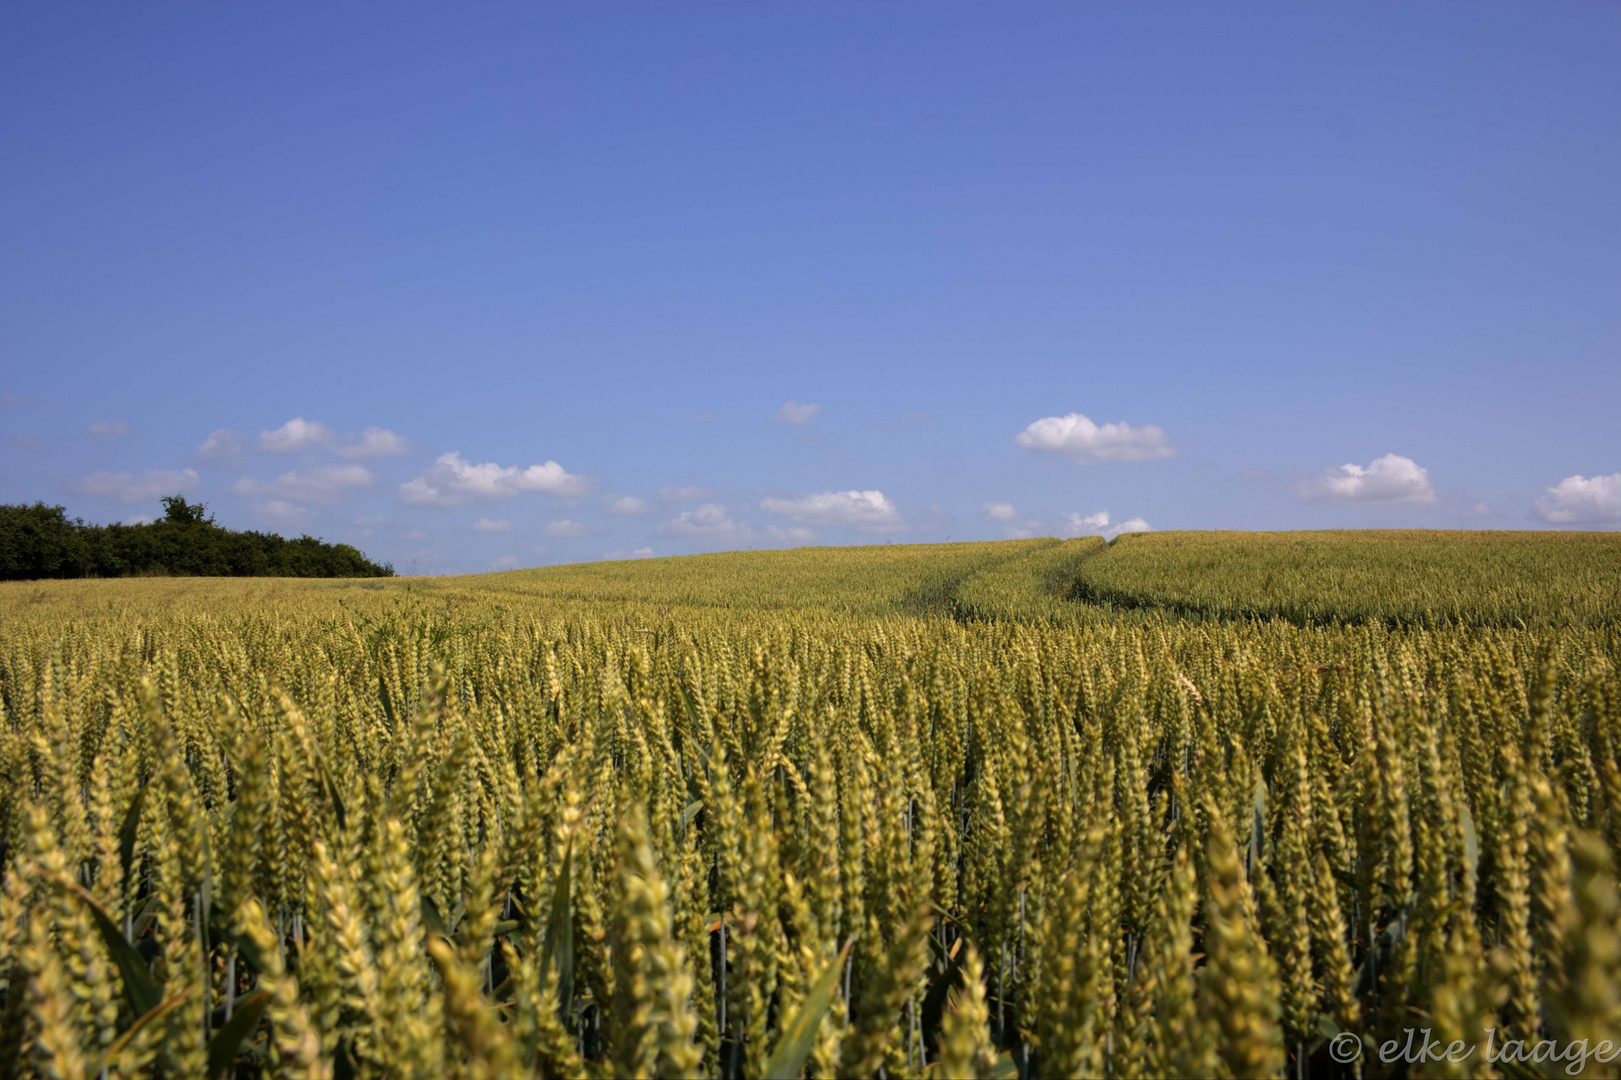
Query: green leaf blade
point(799, 1034)
point(227, 1040)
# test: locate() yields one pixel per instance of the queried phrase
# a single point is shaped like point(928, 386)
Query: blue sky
point(696, 277)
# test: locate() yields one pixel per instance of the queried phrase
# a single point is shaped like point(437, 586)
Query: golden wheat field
point(1182, 805)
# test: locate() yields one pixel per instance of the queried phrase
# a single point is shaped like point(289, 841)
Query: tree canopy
point(41, 541)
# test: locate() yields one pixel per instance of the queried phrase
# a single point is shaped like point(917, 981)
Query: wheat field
point(1040, 808)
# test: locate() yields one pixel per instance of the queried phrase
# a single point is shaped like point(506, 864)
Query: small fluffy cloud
point(452, 481)
point(869, 511)
point(139, 519)
point(690, 493)
point(1085, 443)
point(296, 436)
point(625, 504)
point(131, 488)
point(999, 511)
point(565, 528)
point(283, 512)
point(505, 562)
point(321, 484)
point(223, 446)
point(639, 553)
point(1101, 524)
point(792, 412)
point(374, 442)
point(1586, 500)
point(1390, 479)
point(487, 525)
point(793, 533)
point(709, 520)
point(106, 429)
point(299, 435)
point(1008, 515)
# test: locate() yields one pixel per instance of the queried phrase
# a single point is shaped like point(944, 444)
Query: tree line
point(41, 541)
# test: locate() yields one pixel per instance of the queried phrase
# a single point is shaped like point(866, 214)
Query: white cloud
point(320, 484)
point(690, 493)
point(999, 511)
point(295, 436)
point(625, 504)
point(283, 512)
point(375, 442)
point(793, 412)
point(1483, 509)
point(1012, 527)
point(129, 488)
point(796, 533)
point(505, 562)
point(222, 445)
point(452, 480)
point(869, 511)
point(299, 435)
point(486, 525)
point(108, 428)
point(709, 520)
point(1101, 524)
point(1390, 479)
point(565, 528)
point(639, 553)
point(140, 519)
point(1582, 500)
point(1085, 443)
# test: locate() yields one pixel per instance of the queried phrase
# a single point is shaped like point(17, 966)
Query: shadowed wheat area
point(1415, 577)
point(1181, 805)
